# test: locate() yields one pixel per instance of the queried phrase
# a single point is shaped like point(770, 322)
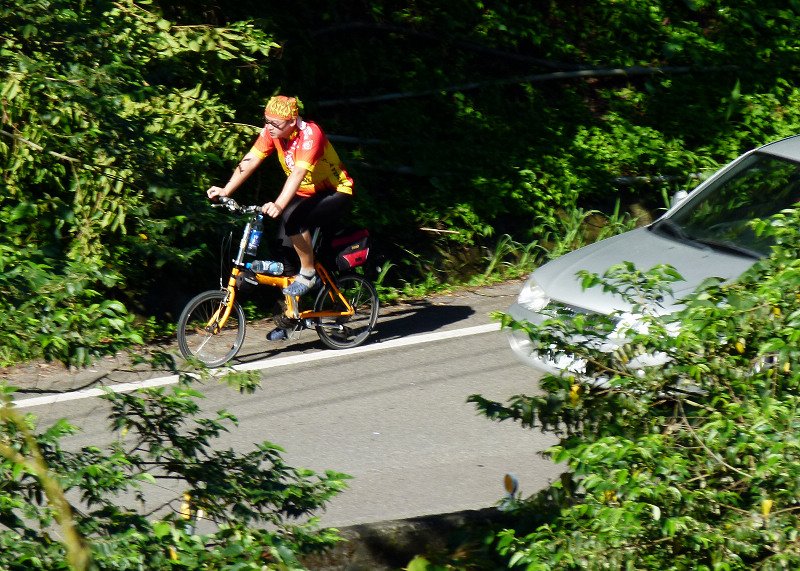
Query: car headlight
point(532, 296)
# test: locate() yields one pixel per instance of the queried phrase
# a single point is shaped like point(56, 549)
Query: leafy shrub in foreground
point(84, 509)
point(702, 477)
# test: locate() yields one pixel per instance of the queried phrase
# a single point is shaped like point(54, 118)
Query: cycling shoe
point(277, 334)
point(301, 285)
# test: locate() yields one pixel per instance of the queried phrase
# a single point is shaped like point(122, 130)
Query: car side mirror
point(678, 196)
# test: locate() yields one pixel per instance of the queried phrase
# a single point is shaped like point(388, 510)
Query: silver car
point(706, 233)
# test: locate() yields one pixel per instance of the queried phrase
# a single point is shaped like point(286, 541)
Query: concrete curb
point(391, 545)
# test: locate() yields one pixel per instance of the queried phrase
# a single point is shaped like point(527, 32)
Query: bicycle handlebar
point(234, 206)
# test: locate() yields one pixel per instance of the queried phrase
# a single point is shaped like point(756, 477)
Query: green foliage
point(473, 120)
point(256, 510)
point(105, 134)
point(693, 464)
point(570, 230)
point(60, 316)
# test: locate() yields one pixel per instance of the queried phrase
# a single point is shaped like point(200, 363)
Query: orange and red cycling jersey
point(309, 148)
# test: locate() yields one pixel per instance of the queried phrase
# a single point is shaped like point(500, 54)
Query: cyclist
point(317, 190)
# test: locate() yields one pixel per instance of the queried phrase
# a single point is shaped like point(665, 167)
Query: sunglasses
point(277, 125)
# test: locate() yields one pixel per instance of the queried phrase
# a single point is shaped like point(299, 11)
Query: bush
point(106, 135)
point(76, 510)
point(695, 464)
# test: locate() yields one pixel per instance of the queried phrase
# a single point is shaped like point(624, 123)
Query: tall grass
point(564, 233)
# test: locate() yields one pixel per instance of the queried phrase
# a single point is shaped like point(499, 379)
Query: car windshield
point(719, 216)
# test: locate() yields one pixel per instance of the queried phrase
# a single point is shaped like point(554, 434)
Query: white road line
point(263, 364)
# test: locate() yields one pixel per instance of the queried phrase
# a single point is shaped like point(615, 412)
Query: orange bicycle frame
point(217, 321)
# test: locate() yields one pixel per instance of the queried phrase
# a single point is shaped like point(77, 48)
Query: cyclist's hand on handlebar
point(271, 209)
point(215, 193)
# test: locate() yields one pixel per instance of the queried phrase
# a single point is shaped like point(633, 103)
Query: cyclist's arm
point(246, 167)
point(274, 209)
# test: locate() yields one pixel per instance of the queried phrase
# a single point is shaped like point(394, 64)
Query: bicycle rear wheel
point(352, 330)
point(199, 336)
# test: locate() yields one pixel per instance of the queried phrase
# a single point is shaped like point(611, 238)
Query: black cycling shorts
point(320, 210)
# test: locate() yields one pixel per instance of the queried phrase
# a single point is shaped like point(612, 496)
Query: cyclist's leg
point(317, 210)
point(293, 226)
point(288, 254)
point(302, 245)
point(296, 228)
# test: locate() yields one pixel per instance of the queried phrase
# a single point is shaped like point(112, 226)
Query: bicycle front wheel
point(199, 334)
point(351, 330)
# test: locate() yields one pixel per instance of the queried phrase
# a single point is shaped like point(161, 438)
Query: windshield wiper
point(671, 228)
point(730, 247)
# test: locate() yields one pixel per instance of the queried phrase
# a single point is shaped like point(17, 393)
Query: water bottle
point(255, 236)
point(268, 267)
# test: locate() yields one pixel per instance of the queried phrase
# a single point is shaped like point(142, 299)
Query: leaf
point(161, 529)
point(771, 346)
point(419, 563)
point(10, 88)
point(516, 558)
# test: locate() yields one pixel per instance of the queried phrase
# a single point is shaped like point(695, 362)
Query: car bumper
point(537, 357)
point(545, 361)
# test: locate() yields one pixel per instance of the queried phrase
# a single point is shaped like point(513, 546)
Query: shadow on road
point(392, 323)
point(424, 318)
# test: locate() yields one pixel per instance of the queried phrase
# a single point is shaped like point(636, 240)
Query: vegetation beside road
point(468, 128)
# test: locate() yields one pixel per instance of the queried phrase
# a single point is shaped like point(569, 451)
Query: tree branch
point(702, 444)
point(37, 147)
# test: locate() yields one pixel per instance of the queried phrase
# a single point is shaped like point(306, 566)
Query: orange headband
point(281, 107)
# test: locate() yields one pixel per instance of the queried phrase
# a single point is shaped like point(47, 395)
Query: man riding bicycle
point(318, 189)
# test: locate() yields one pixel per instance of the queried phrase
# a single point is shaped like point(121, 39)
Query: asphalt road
point(392, 414)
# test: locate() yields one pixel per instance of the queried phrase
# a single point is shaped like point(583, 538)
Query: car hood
point(644, 249)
